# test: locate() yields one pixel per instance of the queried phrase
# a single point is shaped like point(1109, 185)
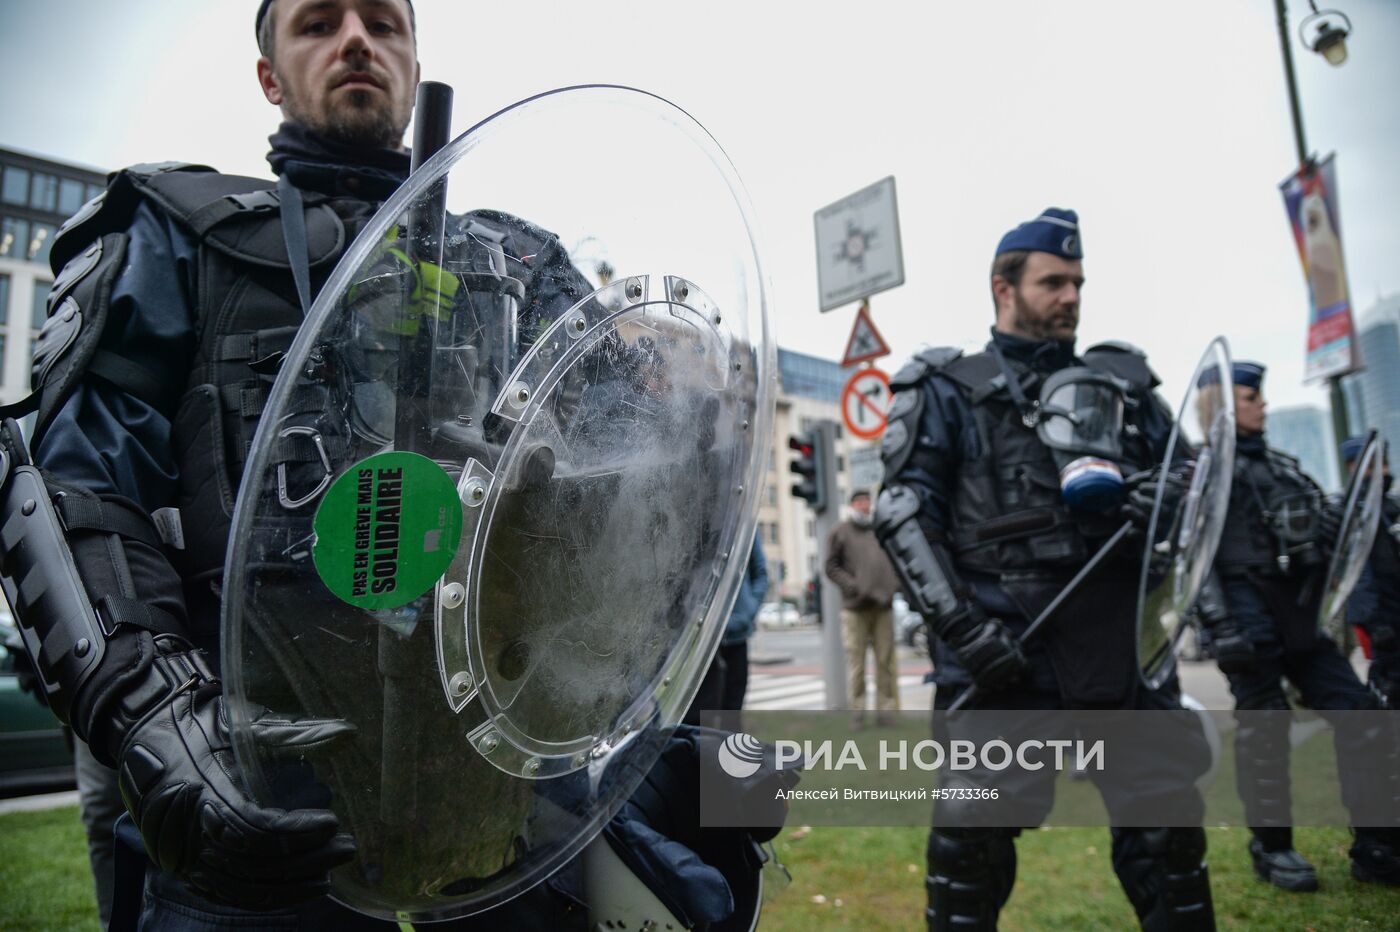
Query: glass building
point(811, 376)
point(36, 196)
point(1305, 431)
point(1373, 394)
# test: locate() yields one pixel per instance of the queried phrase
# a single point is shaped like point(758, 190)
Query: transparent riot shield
point(1192, 498)
point(1361, 517)
point(501, 498)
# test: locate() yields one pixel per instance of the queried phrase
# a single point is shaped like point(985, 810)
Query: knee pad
point(1186, 848)
point(962, 852)
point(1180, 849)
point(970, 875)
point(1163, 872)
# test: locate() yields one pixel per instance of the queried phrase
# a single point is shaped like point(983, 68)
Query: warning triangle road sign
point(865, 343)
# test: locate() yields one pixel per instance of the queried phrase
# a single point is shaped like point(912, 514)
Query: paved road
point(786, 673)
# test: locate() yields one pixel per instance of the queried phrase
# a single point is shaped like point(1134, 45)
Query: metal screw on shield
point(741, 755)
point(452, 595)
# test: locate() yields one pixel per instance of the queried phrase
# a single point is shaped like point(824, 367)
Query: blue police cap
point(1352, 447)
point(1248, 374)
point(1055, 231)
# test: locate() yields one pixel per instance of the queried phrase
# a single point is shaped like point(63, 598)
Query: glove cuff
point(154, 670)
point(961, 625)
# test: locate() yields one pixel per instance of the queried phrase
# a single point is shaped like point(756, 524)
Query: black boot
point(1375, 856)
point(1277, 863)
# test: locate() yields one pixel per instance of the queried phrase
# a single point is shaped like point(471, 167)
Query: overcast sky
point(1164, 124)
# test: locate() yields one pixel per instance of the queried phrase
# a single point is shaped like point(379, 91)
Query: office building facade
point(36, 196)
point(1373, 394)
point(809, 391)
point(1305, 431)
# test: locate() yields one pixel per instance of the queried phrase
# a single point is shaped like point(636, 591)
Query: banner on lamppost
point(1310, 197)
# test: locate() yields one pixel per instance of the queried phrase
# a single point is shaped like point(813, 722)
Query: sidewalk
point(36, 803)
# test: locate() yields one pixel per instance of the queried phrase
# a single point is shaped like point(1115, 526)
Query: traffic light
point(807, 465)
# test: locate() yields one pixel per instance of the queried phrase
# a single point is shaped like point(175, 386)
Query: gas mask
point(1081, 421)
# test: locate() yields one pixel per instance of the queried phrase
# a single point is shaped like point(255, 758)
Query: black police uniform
point(174, 304)
point(176, 300)
point(973, 518)
point(1375, 606)
point(1271, 565)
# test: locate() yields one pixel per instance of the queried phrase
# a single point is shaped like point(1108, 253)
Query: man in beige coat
point(857, 564)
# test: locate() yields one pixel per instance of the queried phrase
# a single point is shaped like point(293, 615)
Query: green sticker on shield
point(386, 530)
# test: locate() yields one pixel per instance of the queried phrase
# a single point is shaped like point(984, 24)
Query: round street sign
point(865, 402)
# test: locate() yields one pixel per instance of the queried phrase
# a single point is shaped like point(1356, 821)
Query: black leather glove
point(991, 653)
point(179, 780)
point(1234, 651)
point(1140, 495)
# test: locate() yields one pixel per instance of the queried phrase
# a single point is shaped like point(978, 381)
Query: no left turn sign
point(865, 403)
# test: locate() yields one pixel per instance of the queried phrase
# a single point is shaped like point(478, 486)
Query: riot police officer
point(986, 517)
point(1270, 565)
point(1375, 604)
point(179, 292)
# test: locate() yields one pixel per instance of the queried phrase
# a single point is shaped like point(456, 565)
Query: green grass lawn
point(45, 883)
point(843, 878)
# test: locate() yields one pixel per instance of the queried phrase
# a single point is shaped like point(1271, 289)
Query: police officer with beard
point(179, 292)
point(986, 520)
point(1375, 604)
point(1270, 568)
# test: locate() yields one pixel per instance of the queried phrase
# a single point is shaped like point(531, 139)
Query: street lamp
point(1325, 33)
point(1329, 30)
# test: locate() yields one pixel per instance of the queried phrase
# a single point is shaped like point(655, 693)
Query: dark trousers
point(972, 867)
point(736, 675)
point(725, 683)
point(1326, 682)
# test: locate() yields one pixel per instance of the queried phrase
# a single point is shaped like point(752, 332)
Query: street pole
point(1298, 138)
point(833, 651)
point(1341, 429)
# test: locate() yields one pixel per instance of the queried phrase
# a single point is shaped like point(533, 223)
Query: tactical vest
point(1007, 512)
point(1251, 543)
point(247, 313)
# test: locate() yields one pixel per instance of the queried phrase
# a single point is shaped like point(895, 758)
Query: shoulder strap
point(927, 360)
point(238, 215)
point(109, 212)
point(1124, 361)
point(982, 376)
